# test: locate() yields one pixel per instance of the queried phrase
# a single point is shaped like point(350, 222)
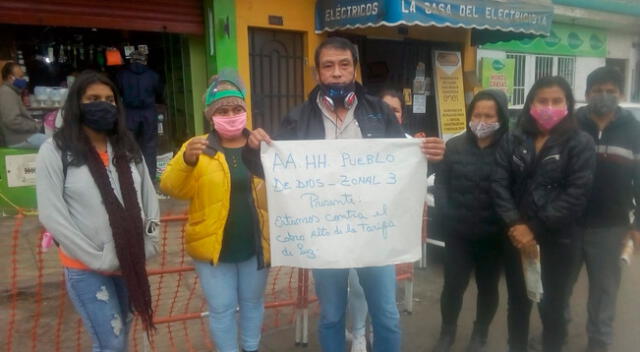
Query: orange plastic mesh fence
point(36, 315)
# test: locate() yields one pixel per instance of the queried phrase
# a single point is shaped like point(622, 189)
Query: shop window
point(518, 95)
point(530, 68)
point(567, 69)
point(544, 66)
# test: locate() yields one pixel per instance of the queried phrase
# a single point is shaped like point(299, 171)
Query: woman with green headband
point(227, 231)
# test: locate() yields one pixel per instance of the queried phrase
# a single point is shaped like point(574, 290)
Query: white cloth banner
point(345, 203)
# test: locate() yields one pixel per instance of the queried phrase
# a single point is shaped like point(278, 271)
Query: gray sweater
point(16, 124)
point(72, 210)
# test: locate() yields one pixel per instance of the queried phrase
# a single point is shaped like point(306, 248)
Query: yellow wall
point(298, 15)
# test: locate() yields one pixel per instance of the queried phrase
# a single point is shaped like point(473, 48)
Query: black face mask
point(100, 116)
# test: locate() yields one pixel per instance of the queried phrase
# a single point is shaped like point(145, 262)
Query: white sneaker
point(347, 335)
point(359, 344)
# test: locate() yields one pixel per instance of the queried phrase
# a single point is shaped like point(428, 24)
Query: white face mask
point(483, 130)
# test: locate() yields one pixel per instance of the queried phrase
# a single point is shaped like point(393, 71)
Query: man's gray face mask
point(603, 104)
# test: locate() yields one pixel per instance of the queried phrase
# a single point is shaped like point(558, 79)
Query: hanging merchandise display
point(128, 49)
point(100, 58)
point(420, 90)
point(75, 57)
point(114, 58)
point(143, 49)
point(91, 54)
point(62, 57)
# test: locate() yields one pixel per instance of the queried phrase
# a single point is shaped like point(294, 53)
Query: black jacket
point(548, 191)
point(464, 203)
point(617, 178)
point(374, 117)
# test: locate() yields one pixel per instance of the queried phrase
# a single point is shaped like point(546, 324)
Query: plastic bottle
point(627, 252)
point(160, 125)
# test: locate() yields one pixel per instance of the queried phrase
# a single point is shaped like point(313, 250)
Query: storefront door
point(277, 80)
point(395, 65)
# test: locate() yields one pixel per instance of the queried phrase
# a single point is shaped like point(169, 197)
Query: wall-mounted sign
point(21, 170)
point(452, 117)
point(498, 74)
point(563, 40)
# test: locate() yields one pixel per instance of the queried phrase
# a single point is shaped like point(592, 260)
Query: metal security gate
point(530, 67)
point(277, 81)
point(567, 69)
point(170, 16)
point(544, 66)
point(517, 98)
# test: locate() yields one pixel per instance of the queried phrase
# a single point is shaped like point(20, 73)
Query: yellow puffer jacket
point(208, 187)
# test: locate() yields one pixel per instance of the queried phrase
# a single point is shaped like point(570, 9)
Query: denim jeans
point(357, 305)
point(33, 142)
point(103, 304)
point(226, 287)
point(379, 285)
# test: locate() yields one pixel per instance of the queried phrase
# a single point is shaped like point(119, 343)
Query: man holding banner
point(338, 109)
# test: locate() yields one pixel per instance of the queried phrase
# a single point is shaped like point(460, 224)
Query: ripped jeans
point(103, 304)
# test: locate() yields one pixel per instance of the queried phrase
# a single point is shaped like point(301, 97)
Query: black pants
point(462, 256)
point(143, 124)
point(557, 259)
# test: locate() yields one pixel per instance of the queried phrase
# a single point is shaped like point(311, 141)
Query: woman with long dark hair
point(541, 185)
point(96, 198)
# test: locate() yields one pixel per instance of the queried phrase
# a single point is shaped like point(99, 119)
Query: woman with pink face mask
point(541, 184)
point(227, 231)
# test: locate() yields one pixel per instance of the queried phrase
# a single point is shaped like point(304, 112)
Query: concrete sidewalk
point(421, 329)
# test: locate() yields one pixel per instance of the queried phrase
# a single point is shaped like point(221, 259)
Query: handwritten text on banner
point(345, 203)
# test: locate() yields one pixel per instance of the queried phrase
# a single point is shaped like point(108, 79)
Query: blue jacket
point(140, 86)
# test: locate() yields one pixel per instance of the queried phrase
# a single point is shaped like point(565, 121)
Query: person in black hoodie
point(473, 228)
point(140, 87)
point(616, 186)
point(541, 185)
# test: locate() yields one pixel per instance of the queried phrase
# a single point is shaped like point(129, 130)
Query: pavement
point(38, 279)
point(421, 328)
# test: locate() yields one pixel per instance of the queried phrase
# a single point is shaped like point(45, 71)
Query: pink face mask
point(230, 126)
point(548, 117)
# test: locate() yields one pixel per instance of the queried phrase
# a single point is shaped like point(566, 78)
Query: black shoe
point(477, 343)
point(444, 342)
point(535, 343)
point(513, 349)
point(596, 346)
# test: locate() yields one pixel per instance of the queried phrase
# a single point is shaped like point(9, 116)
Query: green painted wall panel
point(564, 40)
point(220, 34)
point(197, 62)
